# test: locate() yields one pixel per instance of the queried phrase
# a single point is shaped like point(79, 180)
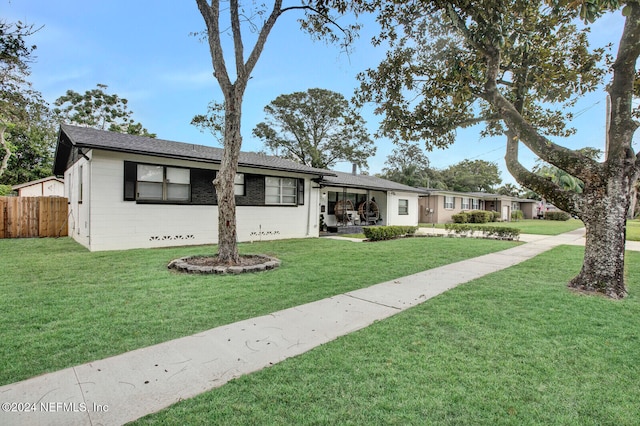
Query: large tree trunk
point(224, 181)
point(605, 221)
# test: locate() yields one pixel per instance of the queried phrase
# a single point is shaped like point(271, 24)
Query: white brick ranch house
point(130, 191)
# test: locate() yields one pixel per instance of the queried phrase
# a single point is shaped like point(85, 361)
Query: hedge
point(557, 216)
point(480, 216)
point(517, 215)
point(488, 231)
point(379, 233)
point(462, 217)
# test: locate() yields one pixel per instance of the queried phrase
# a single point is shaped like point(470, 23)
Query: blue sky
point(144, 52)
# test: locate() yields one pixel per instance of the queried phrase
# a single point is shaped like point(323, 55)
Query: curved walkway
point(123, 388)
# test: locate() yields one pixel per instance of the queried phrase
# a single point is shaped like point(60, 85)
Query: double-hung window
point(403, 207)
point(238, 184)
point(465, 203)
point(281, 190)
point(449, 202)
point(162, 183)
point(475, 204)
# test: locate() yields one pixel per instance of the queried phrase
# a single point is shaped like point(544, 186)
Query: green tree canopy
point(317, 128)
point(99, 110)
point(16, 94)
point(472, 176)
point(518, 66)
point(407, 164)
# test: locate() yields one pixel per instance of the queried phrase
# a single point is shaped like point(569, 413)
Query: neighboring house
point(129, 191)
point(46, 187)
point(438, 206)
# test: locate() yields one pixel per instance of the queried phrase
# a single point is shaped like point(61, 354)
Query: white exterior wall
point(50, 188)
point(394, 218)
point(79, 206)
point(117, 224)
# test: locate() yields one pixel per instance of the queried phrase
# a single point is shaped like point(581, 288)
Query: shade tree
point(518, 67)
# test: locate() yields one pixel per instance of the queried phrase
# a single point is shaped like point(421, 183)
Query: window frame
point(449, 205)
point(403, 207)
point(165, 184)
point(239, 185)
point(295, 187)
point(465, 201)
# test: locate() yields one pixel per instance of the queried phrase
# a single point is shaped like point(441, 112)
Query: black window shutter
point(300, 192)
point(130, 177)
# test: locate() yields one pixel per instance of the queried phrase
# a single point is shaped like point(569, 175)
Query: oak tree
point(518, 66)
point(318, 128)
point(408, 164)
point(472, 176)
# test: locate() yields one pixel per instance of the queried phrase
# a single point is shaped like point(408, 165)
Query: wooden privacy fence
point(23, 217)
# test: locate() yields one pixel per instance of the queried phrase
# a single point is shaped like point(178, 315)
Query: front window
point(449, 202)
point(161, 183)
point(475, 204)
point(281, 190)
point(238, 184)
point(465, 204)
point(403, 207)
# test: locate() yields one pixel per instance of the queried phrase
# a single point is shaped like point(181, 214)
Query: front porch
point(347, 211)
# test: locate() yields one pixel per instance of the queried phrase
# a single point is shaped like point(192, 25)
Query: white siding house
point(134, 192)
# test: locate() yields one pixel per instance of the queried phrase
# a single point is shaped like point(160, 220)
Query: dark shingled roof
point(350, 180)
point(89, 138)
point(86, 137)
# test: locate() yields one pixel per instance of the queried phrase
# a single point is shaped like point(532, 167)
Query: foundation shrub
point(380, 233)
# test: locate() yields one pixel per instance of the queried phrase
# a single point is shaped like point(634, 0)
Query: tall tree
point(317, 21)
point(99, 110)
point(32, 144)
point(407, 164)
point(472, 176)
point(317, 128)
point(16, 93)
point(518, 66)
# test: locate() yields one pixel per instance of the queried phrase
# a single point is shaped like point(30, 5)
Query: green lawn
point(533, 226)
point(61, 305)
point(633, 230)
point(513, 348)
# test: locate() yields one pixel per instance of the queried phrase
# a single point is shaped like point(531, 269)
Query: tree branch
point(211, 16)
point(566, 200)
point(238, 46)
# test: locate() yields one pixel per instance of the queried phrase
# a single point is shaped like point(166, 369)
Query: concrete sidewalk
point(123, 388)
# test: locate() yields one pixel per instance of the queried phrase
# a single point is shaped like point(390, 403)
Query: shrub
point(517, 215)
point(5, 190)
point(479, 216)
point(488, 231)
point(495, 216)
point(557, 216)
point(462, 217)
point(379, 233)
point(461, 230)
